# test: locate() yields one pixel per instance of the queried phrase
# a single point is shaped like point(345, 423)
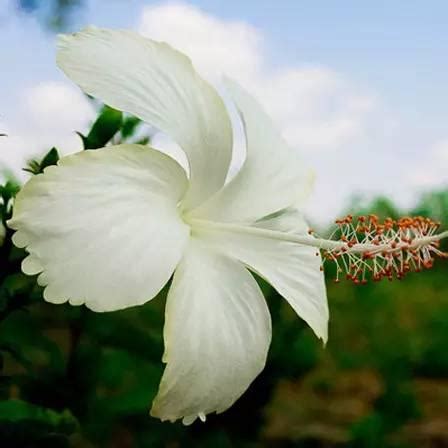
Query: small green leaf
point(9, 191)
point(35, 167)
point(51, 158)
point(18, 410)
point(16, 284)
point(32, 167)
point(143, 141)
point(130, 124)
point(103, 130)
point(85, 140)
point(22, 337)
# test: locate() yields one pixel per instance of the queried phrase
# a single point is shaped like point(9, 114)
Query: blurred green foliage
point(73, 378)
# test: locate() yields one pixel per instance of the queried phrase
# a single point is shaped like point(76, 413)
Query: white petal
point(217, 334)
point(272, 178)
point(159, 85)
point(293, 270)
point(289, 220)
point(103, 228)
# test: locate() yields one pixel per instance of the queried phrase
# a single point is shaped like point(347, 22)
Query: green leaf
point(16, 284)
point(143, 141)
point(15, 293)
point(18, 410)
point(103, 130)
point(85, 140)
point(35, 167)
point(126, 381)
point(9, 191)
point(130, 124)
point(32, 167)
point(23, 338)
point(51, 158)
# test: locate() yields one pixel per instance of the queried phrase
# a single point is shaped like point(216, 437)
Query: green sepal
point(107, 124)
point(35, 167)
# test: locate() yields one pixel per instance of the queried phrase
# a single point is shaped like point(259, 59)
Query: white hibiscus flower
point(108, 228)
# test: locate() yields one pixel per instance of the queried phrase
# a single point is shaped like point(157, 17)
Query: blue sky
point(358, 87)
point(398, 47)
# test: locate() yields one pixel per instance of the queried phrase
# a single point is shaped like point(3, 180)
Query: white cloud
point(50, 102)
point(49, 114)
point(314, 106)
point(440, 152)
point(432, 169)
point(216, 46)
